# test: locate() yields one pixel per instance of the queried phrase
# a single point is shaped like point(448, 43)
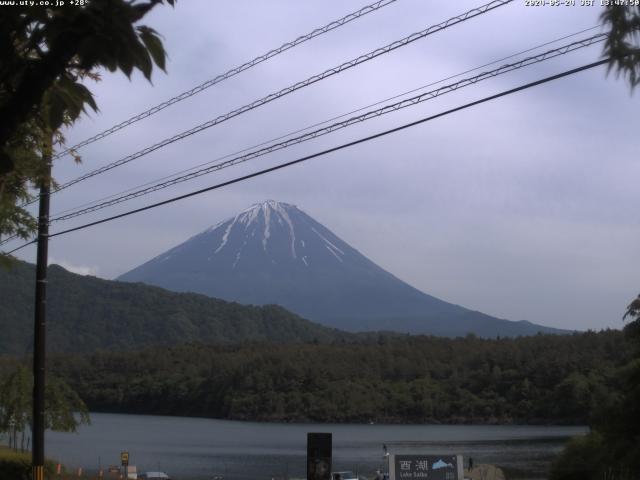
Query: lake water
point(198, 448)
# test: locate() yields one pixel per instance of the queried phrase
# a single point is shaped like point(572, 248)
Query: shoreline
point(391, 421)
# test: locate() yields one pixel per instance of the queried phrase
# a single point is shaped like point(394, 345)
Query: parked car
point(346, 475)
point(154, 476)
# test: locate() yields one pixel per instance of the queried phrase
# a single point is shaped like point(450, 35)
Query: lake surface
point(198, 448)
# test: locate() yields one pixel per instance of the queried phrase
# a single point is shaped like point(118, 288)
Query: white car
point(346, 475)
point(154, 476)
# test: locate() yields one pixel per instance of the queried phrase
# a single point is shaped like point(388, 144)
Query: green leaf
point(143, 60)
point(154, 45)
point(126, 64)
point(55, 107)
point(87, 96)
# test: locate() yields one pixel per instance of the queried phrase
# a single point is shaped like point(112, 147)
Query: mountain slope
point(86, 313)
point(275, 253)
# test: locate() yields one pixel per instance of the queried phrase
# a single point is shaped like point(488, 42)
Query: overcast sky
point(523, 208)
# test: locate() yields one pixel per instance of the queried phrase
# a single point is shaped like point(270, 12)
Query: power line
point(330, 150)
point(292, 88)
point(343, 124)
point(21, 247)
point(231, 73)
point(280, 137)
point(234, 71)
point(8, 239)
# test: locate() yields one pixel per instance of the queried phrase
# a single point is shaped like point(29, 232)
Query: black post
point(37, 454)
point(319, 452)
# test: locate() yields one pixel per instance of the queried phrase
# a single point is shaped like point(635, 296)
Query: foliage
point(47, 53)
point(633, 311)
point(15, 404)
point(623, 41)
point(17, 466)
point(306, 371)
point(581, 458)
point(64, 410)
point(612, 449)
point(540, 379)
point(87, 313)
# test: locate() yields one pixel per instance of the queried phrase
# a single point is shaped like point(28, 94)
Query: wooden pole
point(37, 454)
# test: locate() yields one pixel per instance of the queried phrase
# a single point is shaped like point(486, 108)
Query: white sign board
point(425, 467)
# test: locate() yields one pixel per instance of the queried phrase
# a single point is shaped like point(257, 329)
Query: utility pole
point(37, 454)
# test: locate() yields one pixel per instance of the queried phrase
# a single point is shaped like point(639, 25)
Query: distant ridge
point(273, 252)
point(85, 314)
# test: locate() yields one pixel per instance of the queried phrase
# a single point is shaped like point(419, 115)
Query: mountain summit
point(274, 253)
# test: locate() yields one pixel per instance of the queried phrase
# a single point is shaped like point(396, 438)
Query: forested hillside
point(541, 379)
point(87, 313)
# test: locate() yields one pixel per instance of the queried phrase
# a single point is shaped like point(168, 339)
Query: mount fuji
point(274, 253)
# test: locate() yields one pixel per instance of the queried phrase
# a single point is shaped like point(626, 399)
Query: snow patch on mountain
point(225, 237)
point(330, 246)
point(283, 213)
point(268, 212)
point(267, 224)
point(334, 253)
point(249, 215)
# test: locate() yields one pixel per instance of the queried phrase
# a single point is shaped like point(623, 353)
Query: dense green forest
point(87, 313)
point(611, 449)
point(540, 379)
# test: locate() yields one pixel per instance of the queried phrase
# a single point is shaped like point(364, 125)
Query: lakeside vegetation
point(17, 465)
point(536, 380)
point(611, 450)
